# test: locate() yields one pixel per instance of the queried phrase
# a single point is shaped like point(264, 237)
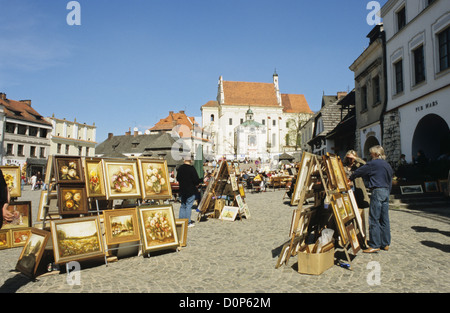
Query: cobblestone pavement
point(240, 257)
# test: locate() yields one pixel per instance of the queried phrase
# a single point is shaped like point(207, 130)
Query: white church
point(254, 120)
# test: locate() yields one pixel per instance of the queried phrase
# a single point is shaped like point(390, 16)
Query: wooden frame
point(349, 206)
point(19, 236)
point(77, 239)
point(154, 178)
point(13, 180)
point(158, 228)
point(301, 177)
point(229, 213)
point(182, 229)
point(338, 173)
point(431, 186)
point(285, 250)
point(72, 199)
point(351, 232)
point(5, 239)
point(68, 169)
point(32, 252)
point(95, 180)
point(53, 211)
point(121, 179)
point(22, 215)
point(443, 186)
point(339, 213)
point(121, 226)
point(411, 189)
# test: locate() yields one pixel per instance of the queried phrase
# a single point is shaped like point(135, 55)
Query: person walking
point(188, 179)
point(379, 175)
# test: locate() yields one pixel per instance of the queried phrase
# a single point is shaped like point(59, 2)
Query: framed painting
point(349, 206)
point(339, 174)
point(121, 226)
point(241, 190)
point(411, 189)
point(283, 254)
point(340, 216)
point(19, 236)
point(68, 169)
point(158, 228)
point(182, 229)
point(233, 181)
point(21, 215)
point(76, 239)
point(443, 186)
point(5, 239)
point(53, 211)
point(95, 183)
point(229, 213)
point(154, 176)
point(12, 179)
point(72, 199)
point(121, 179)
point(32, 252)
point(353, 238)
point(301, 177)
point(431, 186)
point(351, 195)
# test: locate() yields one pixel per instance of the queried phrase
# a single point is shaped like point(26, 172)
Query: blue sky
point(131, 62)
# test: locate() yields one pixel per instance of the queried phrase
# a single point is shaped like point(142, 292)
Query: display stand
point(324, 179)
point(216, 189)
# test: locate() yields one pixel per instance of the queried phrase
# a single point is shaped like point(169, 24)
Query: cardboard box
point(315, 263)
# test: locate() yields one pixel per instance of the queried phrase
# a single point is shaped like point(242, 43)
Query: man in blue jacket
point(379, 176)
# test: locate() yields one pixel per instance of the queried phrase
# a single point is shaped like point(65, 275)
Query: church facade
point(254, 120)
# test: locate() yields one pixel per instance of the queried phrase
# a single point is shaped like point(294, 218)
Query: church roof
point(295, 104)
point(246, 93)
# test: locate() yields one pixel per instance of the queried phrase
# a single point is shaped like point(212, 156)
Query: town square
point(194, 147)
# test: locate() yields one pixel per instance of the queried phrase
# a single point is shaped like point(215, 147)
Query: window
point(32, 151)
point(43, 133)
point(42, 152)
point(212, 117)
point(230, 121)
point(444, 49)
point(401, 18)
point(264, 122)
point(10, 128)
point(274, 122)
point(9, 149)
point(429, 2)
point(80, 151)
point(242, 120)
point(376, 90)
point(419, 65)
point(33, 131)
point(20, 150)
point(58, 148)
point(398, 67)
point(364, 98)
point(22, 130)
point(67, 149)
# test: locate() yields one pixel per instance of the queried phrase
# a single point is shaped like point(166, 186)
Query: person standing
point(379, 175)
point(33, 181)
point(188, 180)
point(4, 201)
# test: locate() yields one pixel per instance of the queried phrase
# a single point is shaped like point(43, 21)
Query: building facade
point(280, 114)
point(71, 138)
point(418, 73)
point(25, 136)
point(370, 92)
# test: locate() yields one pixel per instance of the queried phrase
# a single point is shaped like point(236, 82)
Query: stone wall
point(391, 138)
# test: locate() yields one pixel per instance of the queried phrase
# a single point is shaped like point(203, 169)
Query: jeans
point(186, 206)
point(379, 227)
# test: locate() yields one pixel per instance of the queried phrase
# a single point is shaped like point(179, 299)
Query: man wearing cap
point(188, 179)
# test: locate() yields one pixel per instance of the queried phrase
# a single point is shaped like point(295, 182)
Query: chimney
point(2, 96)
point(341, 94)
point(26, 102)
point(110, 135)
point(128, 133)
point(181, 112)
point(136, 132)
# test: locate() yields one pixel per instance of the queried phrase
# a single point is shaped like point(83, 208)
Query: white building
point(280, 115)
point(71, 138)
point(418, 72)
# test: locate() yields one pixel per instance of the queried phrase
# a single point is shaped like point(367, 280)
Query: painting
point(353, 238)
point(340, 215)
point(121, 226)
point(241, 190)
point(301, 177)
point(338, 173)
point(356, 211)
point(20, 236)
point(76, 239)
point(95, 184)
point(5, 239)
point(12, 179)
point(338, 203)
point(32, 252)
point(68, 169)
point(154, 176)
point(229, 213)
point(283, 255)
point(72, 199)
point(158, 228)
point(21, 215)
point(349, 206)
point(233, 181)
point(411, 189)
point(53, 211)
point(121, 179)
point(431, 186)
point(182, 229)
point(443, 186)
